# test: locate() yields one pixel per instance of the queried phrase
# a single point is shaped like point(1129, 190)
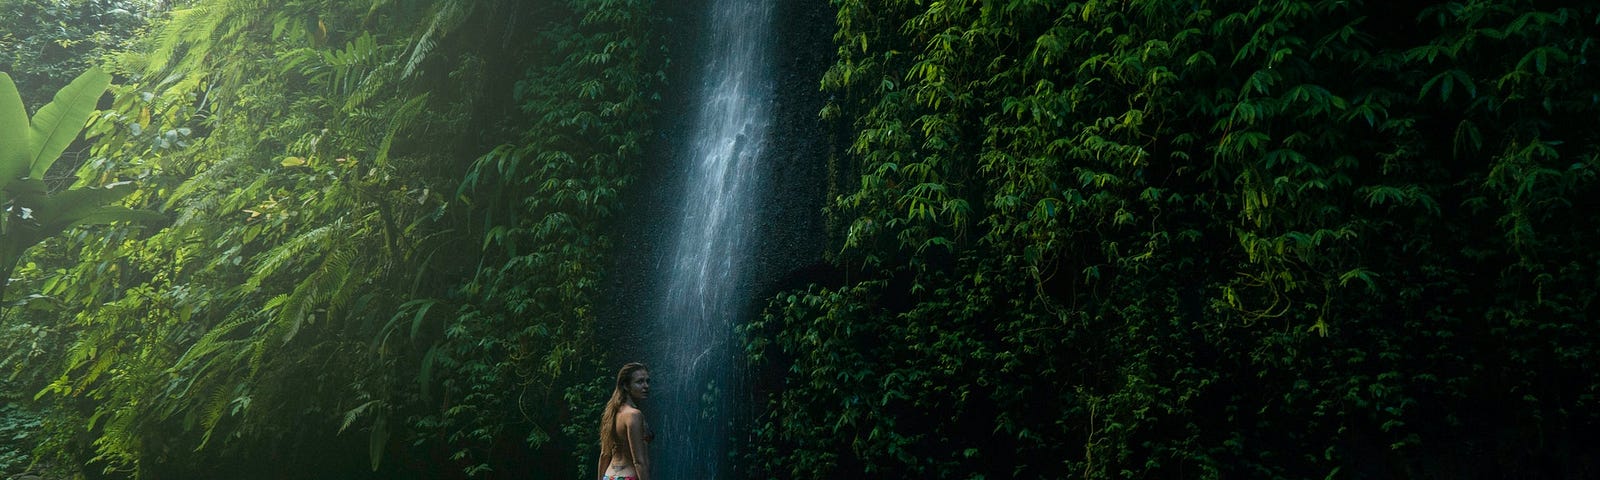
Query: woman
point(624, 437)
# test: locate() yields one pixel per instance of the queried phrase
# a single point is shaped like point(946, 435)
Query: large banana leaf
point(15, 134)
point(58, 123)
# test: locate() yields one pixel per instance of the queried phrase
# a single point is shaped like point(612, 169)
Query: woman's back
point(627, 420)
point(624, 436)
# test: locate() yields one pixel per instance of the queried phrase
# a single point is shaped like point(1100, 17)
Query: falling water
point(696, 370)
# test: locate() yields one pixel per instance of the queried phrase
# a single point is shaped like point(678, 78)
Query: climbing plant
point(1197, 239)
point(547, 202)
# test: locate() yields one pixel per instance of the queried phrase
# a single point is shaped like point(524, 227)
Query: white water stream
point(698, 366)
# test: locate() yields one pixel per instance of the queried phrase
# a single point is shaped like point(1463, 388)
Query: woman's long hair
point(619, 397)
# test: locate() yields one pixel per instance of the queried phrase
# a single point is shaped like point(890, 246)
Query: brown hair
point(619, 396)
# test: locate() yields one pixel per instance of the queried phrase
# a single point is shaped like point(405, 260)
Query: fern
point(297, 249)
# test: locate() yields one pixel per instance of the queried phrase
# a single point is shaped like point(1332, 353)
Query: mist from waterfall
point(696, 369)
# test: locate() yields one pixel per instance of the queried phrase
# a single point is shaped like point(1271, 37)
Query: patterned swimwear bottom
point(617, 477)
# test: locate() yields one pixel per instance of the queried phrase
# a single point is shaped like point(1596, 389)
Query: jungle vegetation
point(1108, 239)
point(1200, 239)
point(303, 307)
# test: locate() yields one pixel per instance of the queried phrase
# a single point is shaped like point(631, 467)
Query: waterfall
point(696, 368)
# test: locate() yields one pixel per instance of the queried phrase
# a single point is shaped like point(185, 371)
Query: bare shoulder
point(630, 416)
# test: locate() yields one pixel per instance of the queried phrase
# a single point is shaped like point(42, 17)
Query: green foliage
point(16, 428)
point(1206, 239)
point(546, 202)
point(297, 147)
point(45, 43)
point(277, 257)
point(310, 157)
point(31, 146)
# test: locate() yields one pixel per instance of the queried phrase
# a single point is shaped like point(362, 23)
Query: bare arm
point(605, 461)
point(638, 447)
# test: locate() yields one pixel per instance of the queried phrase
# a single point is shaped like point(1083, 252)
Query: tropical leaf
point(14, 132)
point(58, 123)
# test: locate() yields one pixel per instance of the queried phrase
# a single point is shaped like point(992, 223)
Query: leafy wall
point(1206, 239)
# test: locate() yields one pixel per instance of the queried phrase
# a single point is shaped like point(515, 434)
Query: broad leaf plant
point(28, 148)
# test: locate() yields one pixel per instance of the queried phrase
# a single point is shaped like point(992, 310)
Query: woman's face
point(638, 385)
